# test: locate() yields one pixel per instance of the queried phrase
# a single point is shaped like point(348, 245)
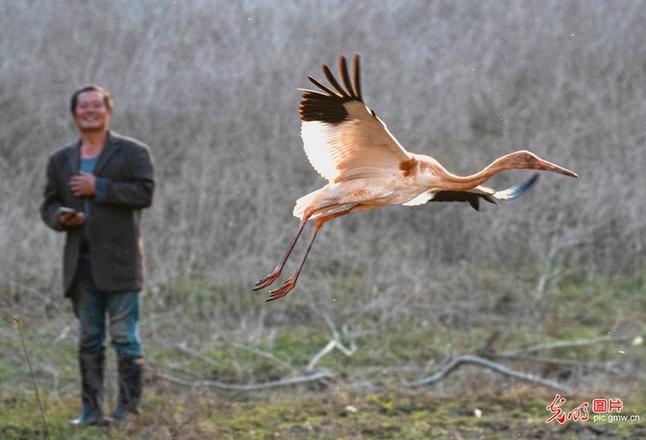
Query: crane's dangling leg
point(269, 279)
point(290, 283)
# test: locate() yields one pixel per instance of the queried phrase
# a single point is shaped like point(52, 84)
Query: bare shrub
point(211, 86)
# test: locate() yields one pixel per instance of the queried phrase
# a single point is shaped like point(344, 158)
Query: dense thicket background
point(211, 86)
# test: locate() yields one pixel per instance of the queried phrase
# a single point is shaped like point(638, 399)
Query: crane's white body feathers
point(355, 192)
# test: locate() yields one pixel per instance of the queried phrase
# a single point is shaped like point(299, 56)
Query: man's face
point(91, 113)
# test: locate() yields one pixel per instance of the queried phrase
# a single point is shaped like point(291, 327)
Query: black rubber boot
point(91, 367)
point(130, 385)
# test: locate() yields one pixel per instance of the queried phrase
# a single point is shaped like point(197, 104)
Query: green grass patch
point(518, 413)
point(389, 353)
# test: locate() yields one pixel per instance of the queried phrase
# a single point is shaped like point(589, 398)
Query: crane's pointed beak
point(549, 166)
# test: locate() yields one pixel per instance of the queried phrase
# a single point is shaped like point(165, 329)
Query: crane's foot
point(268, 280)
point(283, 290)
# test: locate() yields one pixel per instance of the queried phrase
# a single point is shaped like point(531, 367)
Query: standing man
point(96, 189)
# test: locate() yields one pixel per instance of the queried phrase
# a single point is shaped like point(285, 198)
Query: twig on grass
point(498, 368)
point(323, 374)
point(334, 343)
point(263, 354)
point(182, 348)
point(185, 350)
point(488, 351)
point(328, 348)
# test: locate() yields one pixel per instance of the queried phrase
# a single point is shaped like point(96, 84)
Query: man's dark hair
point(107, 98)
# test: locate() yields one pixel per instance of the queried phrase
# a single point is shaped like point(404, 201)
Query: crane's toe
point(283, 290)
point(268, 280)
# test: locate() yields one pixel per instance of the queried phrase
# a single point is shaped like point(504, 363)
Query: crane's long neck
point(452, 182)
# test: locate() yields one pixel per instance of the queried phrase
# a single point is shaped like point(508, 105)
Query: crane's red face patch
point(408, 167)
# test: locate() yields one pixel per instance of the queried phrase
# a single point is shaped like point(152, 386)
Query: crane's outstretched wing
point(342, 137)
point(473, 196)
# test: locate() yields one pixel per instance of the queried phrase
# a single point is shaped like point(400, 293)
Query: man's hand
point(70, 219)
point(83, 185)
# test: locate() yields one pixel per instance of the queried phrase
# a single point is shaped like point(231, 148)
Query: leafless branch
point(498, 368)
point(182, 348)
point(323, 374)
point(263, 354)
point(185, 350)
point(334, 343)
point(328, 348)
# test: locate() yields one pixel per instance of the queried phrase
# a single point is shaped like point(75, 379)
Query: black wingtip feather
point(352, 89)
point(321, 86)
point(330, 77)
point(328, 106)
point(356, 74)
point(317, 107)
point(343, 69)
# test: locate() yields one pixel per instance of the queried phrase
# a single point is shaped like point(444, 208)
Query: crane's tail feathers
point(490, 199)
point(515, 191)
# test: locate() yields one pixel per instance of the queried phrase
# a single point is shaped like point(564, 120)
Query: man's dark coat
point(113, 223)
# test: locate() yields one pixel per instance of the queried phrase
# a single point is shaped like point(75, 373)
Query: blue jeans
point(91, 307)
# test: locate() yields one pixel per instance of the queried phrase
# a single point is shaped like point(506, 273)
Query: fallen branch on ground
point(487, 352)
point(324, 374)
point(334, 343)
point(263, 354)
point(328, 348)
point(498, 368)
point(309, 377)
point(185, 350)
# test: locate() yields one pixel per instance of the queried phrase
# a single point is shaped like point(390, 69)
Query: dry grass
point(211, 87)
